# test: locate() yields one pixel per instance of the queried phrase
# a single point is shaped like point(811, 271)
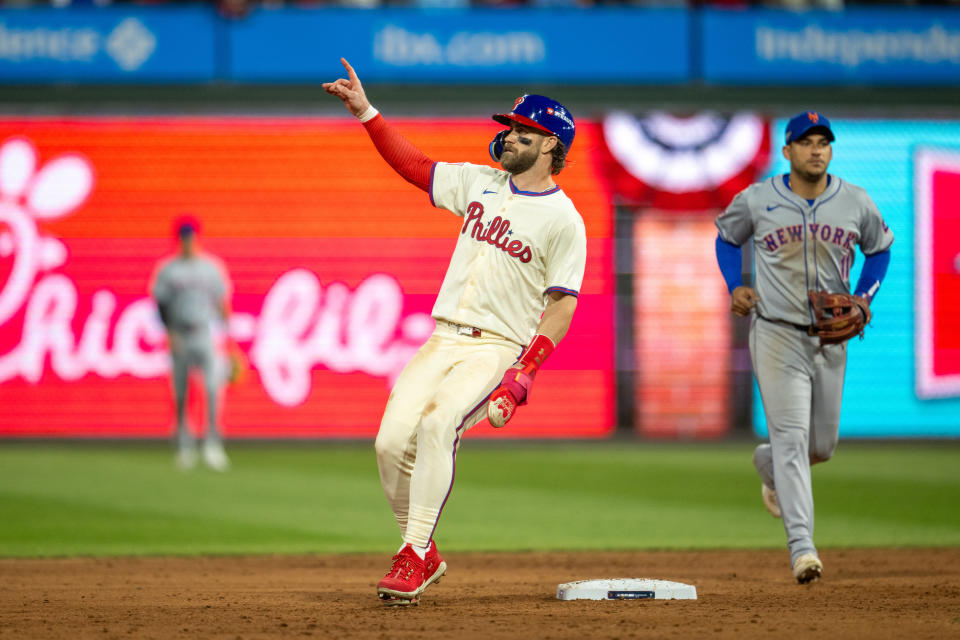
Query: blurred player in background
point(191, 292)
point(803, 228)
point(507, 299)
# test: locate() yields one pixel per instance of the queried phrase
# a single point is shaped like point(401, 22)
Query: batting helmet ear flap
point(496, 145)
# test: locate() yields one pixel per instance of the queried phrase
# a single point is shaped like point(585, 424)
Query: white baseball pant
point(441, 393)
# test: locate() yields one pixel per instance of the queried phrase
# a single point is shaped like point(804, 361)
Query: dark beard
point(519, 162)
point(809, 176)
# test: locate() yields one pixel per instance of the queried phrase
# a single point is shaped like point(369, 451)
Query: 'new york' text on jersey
point(799, 246)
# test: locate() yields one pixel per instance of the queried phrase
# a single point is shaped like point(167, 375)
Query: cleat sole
point(394, 601)
point(808, 576)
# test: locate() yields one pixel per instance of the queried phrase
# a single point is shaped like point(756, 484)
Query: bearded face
point(518, 160)
point(521, 149)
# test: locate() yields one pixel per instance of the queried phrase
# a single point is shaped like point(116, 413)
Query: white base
point(626, 589)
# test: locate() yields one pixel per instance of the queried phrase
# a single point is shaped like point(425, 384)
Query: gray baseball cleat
point(215, 457)
point(807, 568)
point(186, 458)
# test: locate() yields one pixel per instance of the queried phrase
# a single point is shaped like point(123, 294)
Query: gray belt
point(186, 329)
point(809, 329)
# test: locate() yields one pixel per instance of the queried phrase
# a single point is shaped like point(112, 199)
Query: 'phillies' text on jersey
point(497, 233)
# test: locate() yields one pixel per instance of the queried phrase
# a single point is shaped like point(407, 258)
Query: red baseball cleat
point(434, 568)
point(410, 575)
point(406, 576)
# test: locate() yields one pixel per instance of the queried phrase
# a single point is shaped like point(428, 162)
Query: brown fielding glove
point(839, 316)
point(238, 364)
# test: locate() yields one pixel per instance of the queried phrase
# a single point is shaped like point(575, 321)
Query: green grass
point(93, 499)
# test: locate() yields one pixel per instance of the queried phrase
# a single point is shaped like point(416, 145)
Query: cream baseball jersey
point(514, 247)
point(800, 246)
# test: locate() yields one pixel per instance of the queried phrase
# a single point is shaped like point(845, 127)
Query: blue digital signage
point(905, 46)
point(476, 46)
point(146, 44)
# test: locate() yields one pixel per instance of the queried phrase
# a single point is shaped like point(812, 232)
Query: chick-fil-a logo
point(301, 325)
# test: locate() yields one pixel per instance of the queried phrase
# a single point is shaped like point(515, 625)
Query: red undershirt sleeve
point(411, 163)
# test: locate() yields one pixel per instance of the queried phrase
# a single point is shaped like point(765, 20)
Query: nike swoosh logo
point(486, 191)
point(776, 206)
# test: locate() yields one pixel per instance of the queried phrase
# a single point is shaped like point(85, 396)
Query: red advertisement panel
point(937, 187)
point(334, 261)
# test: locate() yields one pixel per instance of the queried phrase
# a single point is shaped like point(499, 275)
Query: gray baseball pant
point(801, 385)
point(194, 350)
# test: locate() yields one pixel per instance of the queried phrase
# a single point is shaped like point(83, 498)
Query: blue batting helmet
point(541, 113)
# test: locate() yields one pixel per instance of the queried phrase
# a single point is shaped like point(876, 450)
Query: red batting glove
point(515, 386)
point(512, 393)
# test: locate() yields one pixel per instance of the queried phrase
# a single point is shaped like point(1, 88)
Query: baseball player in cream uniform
point(803, 228)
point(507, 299)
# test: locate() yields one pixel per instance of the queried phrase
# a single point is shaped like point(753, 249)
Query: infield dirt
point(875, 593)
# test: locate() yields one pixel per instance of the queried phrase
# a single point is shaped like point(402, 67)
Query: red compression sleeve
point(411, 163)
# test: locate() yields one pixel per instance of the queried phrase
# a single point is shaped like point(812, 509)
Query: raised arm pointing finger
point(350, 91)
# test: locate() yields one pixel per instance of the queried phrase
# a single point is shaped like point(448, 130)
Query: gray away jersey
point(799, 247)
point(192, 289)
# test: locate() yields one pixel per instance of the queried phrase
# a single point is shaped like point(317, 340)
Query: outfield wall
point(335, 261)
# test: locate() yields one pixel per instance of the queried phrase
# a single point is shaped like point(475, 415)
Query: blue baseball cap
point(186, 227)
point(805, 122)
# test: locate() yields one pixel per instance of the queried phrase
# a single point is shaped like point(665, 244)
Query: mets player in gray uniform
point(190, 290)
point(803, 228)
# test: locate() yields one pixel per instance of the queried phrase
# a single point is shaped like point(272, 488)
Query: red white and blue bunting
point(683, 163)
